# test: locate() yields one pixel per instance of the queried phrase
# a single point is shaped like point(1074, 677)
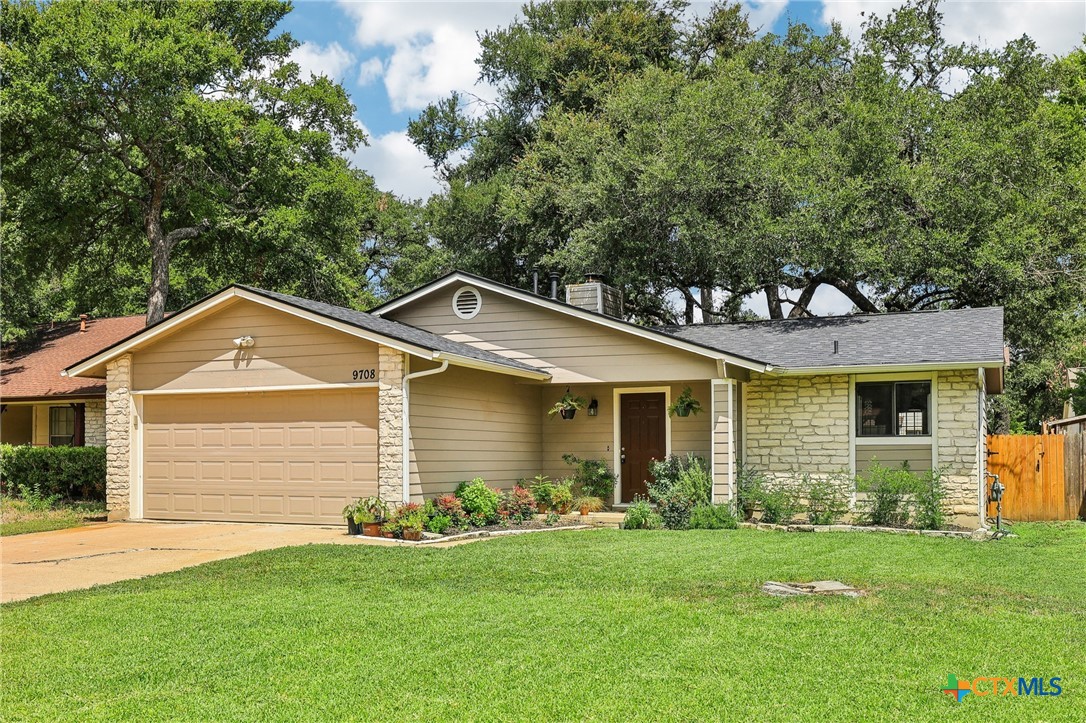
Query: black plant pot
point(568, 413)
point(683, 411)
point(352, 527)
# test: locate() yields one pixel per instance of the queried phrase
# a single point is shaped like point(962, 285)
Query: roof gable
point(743, 361)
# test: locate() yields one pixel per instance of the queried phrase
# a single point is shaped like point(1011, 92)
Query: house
point(42, 408)
point(254, 405)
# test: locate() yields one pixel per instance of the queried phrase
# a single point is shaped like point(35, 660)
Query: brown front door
point(643, 439)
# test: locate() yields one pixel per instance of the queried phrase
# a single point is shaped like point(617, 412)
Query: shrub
point(543, 491)
point(713, 517)
point(591, 476)
point(439, 524)
point(451, 507)
point(694, 482)
point(77, 473)
point(674, 510)
point(480, 502)
point(587, 503)
point(930, 500)
point(886, 490)
point(749, 483)
point(779, 503)
point(517, 505)
point(665, 475)
point(478, 519)
point(827, 502)
point(562, 497)
point(639, 516)
point(552, 519)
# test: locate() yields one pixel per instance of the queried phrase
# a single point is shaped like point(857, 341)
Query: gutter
point(406, 432)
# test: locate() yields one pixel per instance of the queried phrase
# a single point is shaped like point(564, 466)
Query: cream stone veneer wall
point(390, 425)
point(118, 414)
point(94, 434)
point(802, 424)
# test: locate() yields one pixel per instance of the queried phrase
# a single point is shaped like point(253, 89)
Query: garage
point(291, 456)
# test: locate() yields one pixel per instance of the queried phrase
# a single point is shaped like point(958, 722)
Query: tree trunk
point(707, 315)
point(799, 308)
point(160, 257)
point(773, 301)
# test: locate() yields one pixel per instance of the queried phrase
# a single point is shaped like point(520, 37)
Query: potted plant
point(542, 491)
point(684, 405)
point(411, 528)
point(371, 513)
point(562, 498)
point(568, 405)
point(588, 503)
point(350, 513)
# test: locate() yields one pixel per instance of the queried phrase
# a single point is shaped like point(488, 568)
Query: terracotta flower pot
point(389, 535)
point(371, 529)
point(541, 507)
point(584, 512)
point(564, 510)
point(413, 535)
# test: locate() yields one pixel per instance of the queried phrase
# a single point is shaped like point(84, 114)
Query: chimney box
point(594, 294)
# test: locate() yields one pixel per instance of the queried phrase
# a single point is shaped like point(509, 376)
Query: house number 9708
point(363, 374)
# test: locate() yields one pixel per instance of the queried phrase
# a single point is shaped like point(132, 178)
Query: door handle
point(622, 455)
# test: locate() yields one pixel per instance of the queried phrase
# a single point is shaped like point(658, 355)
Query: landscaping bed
point(19, 516)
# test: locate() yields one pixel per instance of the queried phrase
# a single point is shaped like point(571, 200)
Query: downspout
point(407, 423)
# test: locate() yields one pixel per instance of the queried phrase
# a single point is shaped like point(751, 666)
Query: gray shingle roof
point(922, 337)
point(393, 329)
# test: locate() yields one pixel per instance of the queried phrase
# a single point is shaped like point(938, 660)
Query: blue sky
point(395, 57)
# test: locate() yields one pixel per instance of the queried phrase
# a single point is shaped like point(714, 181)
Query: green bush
point(675, 510)
point(639, 516)
point(591, 476)
point(887, 495)
point(713, 517)
point(695, 482)
point(439, 524)
point(779, 503)
point(749, 483)
point(665, 475)
point(77, 473)
point(827, 502)
point(930, 500)
point(480, 502)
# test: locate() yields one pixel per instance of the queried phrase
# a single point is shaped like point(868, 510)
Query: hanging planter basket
point(683, 412)
point(568, 413)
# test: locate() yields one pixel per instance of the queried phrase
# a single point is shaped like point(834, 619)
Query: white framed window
point(61, 426)
point(467, 302)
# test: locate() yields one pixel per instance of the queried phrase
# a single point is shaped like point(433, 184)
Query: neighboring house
point(253, 405)
point(43, 408)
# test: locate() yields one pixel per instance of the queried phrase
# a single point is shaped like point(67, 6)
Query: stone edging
point(485, 533)
point(980, 534)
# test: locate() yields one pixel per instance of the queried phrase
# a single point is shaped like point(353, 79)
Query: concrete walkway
point(97, 554)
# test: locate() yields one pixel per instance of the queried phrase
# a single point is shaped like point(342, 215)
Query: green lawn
point(17, 517)
point(604, 625)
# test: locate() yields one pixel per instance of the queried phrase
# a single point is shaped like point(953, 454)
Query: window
point(893, 409)
point(61, 426)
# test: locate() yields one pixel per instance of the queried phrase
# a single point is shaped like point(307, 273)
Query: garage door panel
point(273, 457)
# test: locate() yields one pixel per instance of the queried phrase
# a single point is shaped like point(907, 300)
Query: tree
point(170, 129)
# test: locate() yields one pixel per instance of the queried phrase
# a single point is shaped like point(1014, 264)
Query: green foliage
point(568, 403)
point(679, 485)
point(543, 491)
point(640, 516)
point(827, 498)
point(887, 491)
point(685, 405)
point(749, 483)
point(517, 505)
point(561, 497)
point(929, 500)
point(592, 477)
point(439, 524)
point(713, 517)
point(480, 502)
point(779, 502)
point(552, 519)
point(588, 504)
point(77, 473)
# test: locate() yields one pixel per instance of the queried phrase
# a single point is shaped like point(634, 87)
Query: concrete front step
point(597, 519)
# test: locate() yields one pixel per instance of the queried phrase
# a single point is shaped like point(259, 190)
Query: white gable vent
point(467, 302)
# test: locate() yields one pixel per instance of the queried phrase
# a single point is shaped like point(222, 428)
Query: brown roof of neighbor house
point(35, 373)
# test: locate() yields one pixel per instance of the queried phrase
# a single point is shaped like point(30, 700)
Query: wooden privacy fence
point(1045, 475)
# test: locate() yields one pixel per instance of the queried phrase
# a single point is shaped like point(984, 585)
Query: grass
point(18, 517)
point(600, 625)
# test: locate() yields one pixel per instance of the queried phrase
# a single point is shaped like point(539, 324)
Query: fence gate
point(1043, 475)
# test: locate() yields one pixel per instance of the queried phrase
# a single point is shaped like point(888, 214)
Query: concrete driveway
point(82, 557)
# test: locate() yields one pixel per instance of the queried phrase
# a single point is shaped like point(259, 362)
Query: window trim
point(856, 441)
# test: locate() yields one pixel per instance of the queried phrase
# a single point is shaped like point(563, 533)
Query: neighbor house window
point(893, 409)
point(61, 426)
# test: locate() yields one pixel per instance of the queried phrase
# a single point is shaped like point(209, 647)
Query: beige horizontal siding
point(593, 437)
point(289, 351)
point(893, 456)
point(572, 350)
point(722, 428)
point(467, 423)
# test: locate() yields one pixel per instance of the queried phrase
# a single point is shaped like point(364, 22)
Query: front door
point(643, 439)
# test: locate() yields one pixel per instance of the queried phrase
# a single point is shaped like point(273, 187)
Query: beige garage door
point(260, 457)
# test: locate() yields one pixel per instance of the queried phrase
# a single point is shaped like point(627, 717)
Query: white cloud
point(434, 45)
point(370, 70)
point(331, 60)
point(1056, 26)
point(761, 14)
point(397, 165)
point(827, 301)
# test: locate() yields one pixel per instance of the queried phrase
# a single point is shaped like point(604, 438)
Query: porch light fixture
point(244, 342)
point(593, 408)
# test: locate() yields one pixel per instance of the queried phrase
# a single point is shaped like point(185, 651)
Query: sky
point(396, 57)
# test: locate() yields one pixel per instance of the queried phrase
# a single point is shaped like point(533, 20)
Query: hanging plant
point(568, 405)
point(684, 405)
